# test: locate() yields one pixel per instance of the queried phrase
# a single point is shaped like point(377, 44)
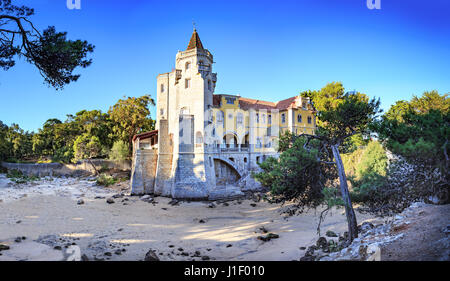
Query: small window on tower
point(162, 88)
point(209, 85)
point(187, 83)
point(188, 65)
point(309, 120)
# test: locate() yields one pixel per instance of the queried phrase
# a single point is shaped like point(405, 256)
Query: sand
point(127, 229)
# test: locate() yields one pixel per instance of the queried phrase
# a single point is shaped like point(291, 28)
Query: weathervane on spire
point(193, 24)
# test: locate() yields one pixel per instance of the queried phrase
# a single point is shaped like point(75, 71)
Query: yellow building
point(243, 121)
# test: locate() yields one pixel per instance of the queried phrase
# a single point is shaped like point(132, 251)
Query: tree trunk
point(349, 212)
point(93, 166)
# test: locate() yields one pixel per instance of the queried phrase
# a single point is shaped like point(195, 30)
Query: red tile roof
point(145, 135)
point(216, 100)
point(246, 103)
point(195, 41)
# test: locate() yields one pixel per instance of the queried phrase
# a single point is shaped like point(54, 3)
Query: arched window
point(188, 65)
point(199, 138)
point(299, 118)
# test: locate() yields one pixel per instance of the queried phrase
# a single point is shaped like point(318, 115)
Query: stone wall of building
point(143, 174)
point(164, 180)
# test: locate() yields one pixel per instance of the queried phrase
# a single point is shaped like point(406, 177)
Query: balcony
point(177, 75)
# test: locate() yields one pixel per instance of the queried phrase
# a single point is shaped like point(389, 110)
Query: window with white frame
point(240, 118)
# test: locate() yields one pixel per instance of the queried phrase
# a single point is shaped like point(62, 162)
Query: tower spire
point(195, 41)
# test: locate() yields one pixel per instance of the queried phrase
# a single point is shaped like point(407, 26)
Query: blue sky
point(267, 50)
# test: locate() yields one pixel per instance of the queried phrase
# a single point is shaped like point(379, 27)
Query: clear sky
point(267, 50)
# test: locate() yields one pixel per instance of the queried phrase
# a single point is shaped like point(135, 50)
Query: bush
point(367, 160)
point(106, 180)
point(296, 175)
point(18, 177)
point(119, 151)
point(373, 161)
point(63, 154)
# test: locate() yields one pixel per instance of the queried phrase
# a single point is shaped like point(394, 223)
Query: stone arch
point(226, 172)
point(230, 140)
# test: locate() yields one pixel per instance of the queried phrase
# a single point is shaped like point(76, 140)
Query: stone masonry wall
point(143, 173)
point(58, 169)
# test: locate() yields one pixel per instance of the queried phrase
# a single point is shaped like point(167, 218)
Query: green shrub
point(106, 180)
point(18, 177)
point(296, 175)
point(63, 154)
point(373, 161)
point(119, 151)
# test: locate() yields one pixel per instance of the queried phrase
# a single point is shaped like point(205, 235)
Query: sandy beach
point(41, 220)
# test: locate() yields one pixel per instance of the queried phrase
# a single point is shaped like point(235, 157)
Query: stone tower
point(185, 99)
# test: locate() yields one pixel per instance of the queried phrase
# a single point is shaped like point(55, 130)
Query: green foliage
point(331, 197)
point(17, 176)
point(4, 144)
point(295, 175)
point(86, 134)
point(119, 151)
point(53, 55)
point(131, 116)
point(63, 154)
point(420, 133)
point(15, 143)
point(354, 142)
point(106, 180)
point(368, 188)
point(431, 101)
point(87, 147)
point(374, 161)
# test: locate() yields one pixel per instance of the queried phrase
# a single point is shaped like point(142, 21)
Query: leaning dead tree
point(308, 164)
point(53, 55)
point(340, 117)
